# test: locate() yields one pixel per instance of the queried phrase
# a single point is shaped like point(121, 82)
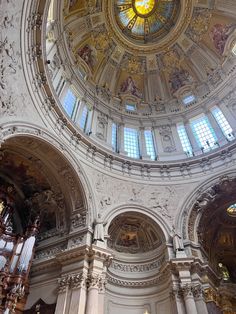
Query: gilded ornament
point(199, 24)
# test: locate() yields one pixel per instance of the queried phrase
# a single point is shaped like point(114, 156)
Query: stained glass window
point(204, 133)
point(187, 148)
point(231, 210)
point(146, 20)
point(149, 144)
point(131, 142)
point(223, 123)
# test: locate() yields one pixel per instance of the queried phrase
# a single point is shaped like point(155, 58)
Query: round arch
point(15, 131)
point(194, 206)
point(112, 214)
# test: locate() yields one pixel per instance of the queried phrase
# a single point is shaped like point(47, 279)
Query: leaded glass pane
point(223, 123)
point(204, 133)
point(150, 144)
point(69, 102)
point(131, 144)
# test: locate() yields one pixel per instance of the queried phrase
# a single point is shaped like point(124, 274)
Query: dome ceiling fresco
point(148, 52)
point(146, 20)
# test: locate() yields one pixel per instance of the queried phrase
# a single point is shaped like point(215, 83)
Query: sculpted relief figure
point(99, 224)
point(206, 198)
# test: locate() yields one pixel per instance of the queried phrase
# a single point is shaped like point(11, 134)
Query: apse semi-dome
point(150, 80)
point(133, 233)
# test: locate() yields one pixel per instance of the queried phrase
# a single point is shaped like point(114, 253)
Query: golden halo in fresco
point(146, 20)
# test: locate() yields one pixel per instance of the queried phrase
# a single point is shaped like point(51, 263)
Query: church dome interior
point(139, 75)
point(118, 156)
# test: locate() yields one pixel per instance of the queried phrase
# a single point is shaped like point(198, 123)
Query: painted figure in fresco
point(219, 35)
point(179, 78)
point(129, 86)
point(127, 239)
point(88, 54)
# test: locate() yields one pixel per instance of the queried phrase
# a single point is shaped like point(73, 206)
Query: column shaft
point(190, 304)
point(92, 301)
point(62, 302)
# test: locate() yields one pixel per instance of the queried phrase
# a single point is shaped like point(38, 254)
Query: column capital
point(93, 281)
point(197, 291)
point(187, 290)
point(78, 281)
point(176, 292)
point(64, 283)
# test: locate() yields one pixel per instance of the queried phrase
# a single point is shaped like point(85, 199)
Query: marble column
point(99, 261)
point(78, 294)
point(62, 298)
point(189, 301)
point(92, 297)
point(101, 295)
point(178, 301)
point(199, 300)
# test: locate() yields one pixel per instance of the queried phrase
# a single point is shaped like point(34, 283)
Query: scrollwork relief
point(78, 220)
point(161, 199)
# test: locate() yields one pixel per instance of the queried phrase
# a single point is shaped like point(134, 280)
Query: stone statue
point(177, 241)
point(98, 234)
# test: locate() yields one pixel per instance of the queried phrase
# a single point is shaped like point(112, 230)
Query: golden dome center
point(144, 7)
